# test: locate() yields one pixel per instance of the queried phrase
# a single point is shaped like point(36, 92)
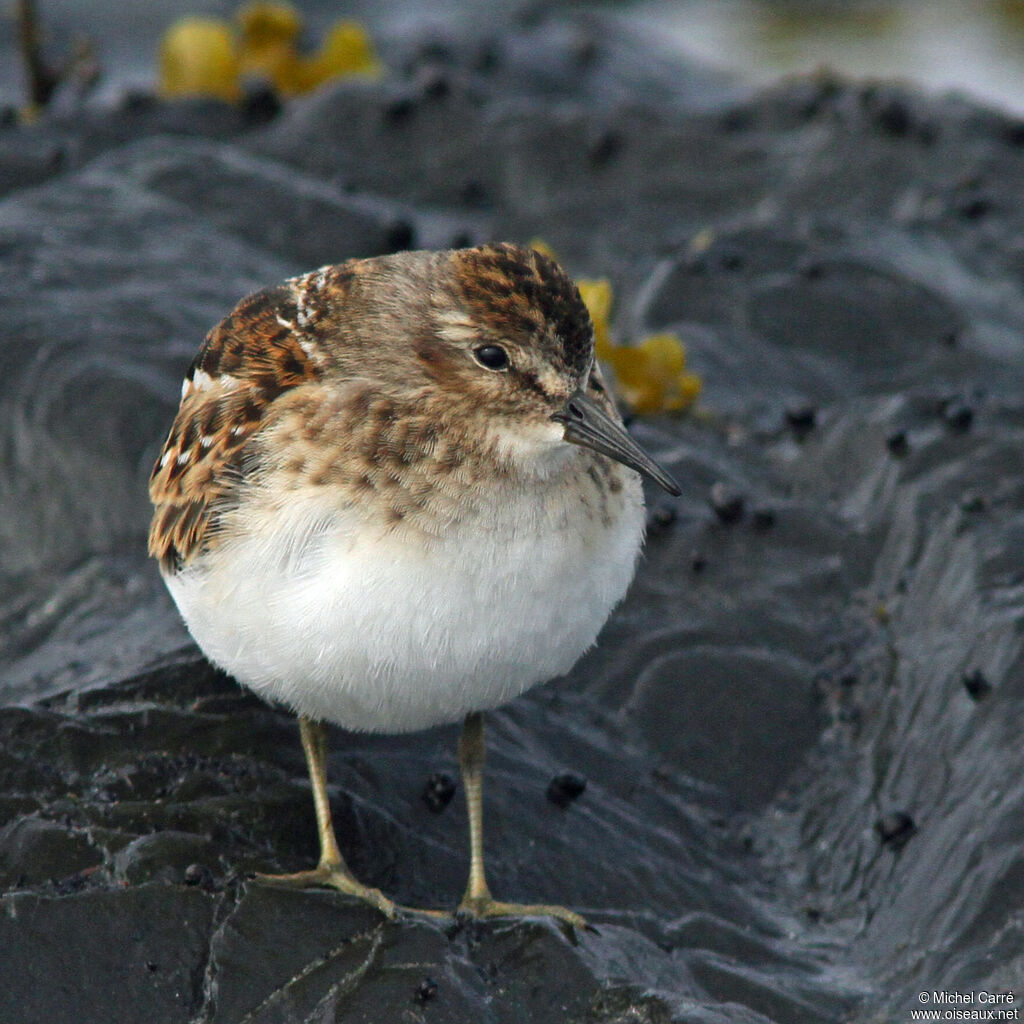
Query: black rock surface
point(759, 704)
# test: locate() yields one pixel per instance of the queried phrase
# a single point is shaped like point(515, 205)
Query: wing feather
point(258, 352)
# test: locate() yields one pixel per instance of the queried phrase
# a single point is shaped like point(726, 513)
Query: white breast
point(376, 631)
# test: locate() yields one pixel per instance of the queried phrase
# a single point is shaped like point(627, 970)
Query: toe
point(485, 906)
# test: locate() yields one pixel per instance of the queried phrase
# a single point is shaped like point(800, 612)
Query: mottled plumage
point(304, 362)
point(367, 506)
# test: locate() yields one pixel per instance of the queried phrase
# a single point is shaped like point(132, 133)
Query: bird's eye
point(493, 357)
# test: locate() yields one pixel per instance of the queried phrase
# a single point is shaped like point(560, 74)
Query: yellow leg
point(478, 900)
point(332, 871)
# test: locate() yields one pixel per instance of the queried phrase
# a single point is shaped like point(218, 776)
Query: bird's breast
point(383, 626)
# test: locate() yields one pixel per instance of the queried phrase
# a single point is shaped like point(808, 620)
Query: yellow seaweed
point(268, 34)
point(347, 50)
point(199, 57)
point(651, 375)
point(210, 57)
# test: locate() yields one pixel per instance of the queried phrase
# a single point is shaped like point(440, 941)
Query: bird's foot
point(330, 876)
point(487, 906)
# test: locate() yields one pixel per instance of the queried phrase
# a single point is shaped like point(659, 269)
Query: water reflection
point(972, 46)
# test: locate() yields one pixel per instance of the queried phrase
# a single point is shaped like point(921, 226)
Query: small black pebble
point(812, 271)
point(487, 58)
point(71, 884)
point(473, 193)
point(727, 504)
point(897, 443)
point(730, 259)
point(977, 685)
point(438, 792)
point(399, 111)
point(974, 503)
point(698, 562)
point(661, 517)
point(565, 788)
point(975, 209)
point(950, 338)
point(958, 416)
point(893, 117)
point(808, 107)
point(426, 990)
point(895, 829)
point(260, 104)
point(801, 420)
point(762, 519)
point(435, 51)
point(848, 679)
point(400, 235)
point(736, 120)
point(152, 967)
point(434, 83)
point(1013, 133)
point(604, 149)
point(585, 52)
point(137, 101)
point(199, 875)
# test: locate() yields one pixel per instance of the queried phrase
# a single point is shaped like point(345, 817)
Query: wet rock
point(827, 279)
point(121, 951)
point(344, 955)
point(166, 855)
point(34, 850)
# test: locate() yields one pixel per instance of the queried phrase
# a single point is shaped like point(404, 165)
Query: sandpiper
point(397, 493)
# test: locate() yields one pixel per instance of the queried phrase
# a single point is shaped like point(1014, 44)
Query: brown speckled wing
point(259, 351)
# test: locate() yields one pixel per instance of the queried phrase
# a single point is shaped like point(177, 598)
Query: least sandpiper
point(397, 493)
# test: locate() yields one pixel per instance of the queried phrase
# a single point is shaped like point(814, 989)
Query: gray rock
point(762, 699)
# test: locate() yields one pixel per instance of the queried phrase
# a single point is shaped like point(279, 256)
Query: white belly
point(374, 631)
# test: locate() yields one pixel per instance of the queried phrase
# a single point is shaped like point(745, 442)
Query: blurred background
point(971, 46)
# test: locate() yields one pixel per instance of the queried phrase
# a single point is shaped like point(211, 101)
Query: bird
point(398, 493)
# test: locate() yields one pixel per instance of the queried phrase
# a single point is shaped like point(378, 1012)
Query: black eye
point(494, 357)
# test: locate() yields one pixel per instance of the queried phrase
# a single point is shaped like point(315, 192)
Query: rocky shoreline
point(798, 733)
